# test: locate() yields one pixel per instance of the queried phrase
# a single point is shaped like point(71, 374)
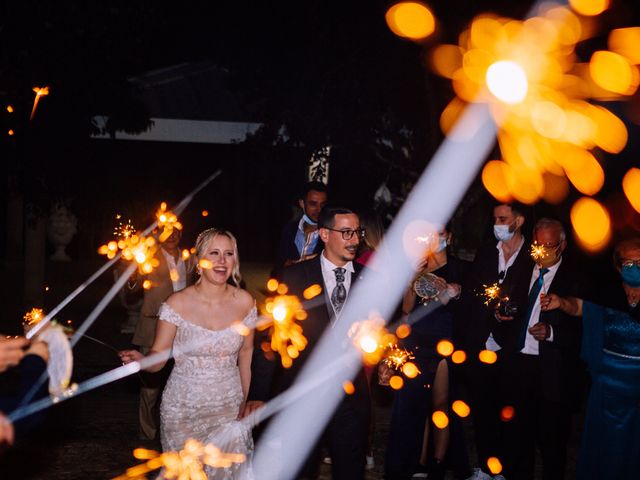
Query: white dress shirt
point(177, 270)
point(531, 345)
point(503, 266)
point(329, 277)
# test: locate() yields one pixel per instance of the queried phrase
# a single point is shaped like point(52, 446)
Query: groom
point(334, 270)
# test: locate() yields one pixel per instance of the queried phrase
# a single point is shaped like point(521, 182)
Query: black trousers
point(346, 438)
point(484, 384)
point(538, 422)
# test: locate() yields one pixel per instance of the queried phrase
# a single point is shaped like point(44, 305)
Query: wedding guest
point(171, 275)
point(300, 237)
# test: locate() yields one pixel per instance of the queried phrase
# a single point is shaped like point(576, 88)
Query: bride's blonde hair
point(211, 233)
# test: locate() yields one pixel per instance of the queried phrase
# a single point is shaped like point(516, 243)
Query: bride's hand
point(128, 356)
point(249, 407)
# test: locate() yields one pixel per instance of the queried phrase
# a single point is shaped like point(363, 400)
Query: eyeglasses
point(348, 234)
point(625, 262)
point(549, 246)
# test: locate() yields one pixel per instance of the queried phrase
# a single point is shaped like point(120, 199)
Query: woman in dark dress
point(414, 403)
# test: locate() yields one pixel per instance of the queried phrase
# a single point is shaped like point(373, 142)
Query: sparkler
point(134, 247)
point(395, 357)
point(286, 334)
point(538, 252)
point(187, 464)
point(168, 221)
point(33, 317)
point(491, 293)
point(40, 92)
point(370, 338)
point(123, 230)
point(527, 72)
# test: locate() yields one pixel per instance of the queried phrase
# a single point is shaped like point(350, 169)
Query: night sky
point(331, 71)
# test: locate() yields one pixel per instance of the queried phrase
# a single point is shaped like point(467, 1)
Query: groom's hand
point(250, 407)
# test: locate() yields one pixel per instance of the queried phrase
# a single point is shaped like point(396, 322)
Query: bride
point(208, 386)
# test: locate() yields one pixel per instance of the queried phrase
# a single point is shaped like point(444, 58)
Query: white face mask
point(502, 232)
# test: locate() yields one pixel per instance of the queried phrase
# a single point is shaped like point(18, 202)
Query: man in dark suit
point(542, 366)
point(300, 237)
point(507, 264)
point(334, 270)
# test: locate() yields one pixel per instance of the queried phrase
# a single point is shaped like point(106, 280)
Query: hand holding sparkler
point(6, 431)
point(505, 309)
point(128, 356)
point(385, 372)
point(11, 351)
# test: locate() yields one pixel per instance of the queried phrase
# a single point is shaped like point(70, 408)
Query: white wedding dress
point(203, 395)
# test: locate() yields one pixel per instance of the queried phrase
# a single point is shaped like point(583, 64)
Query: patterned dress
point(203, 395)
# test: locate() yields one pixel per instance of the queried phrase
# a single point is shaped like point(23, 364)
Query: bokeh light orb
point(631, 187)
point(591, 223)
point(411, 20)
point(507, 81)
point(589, 8)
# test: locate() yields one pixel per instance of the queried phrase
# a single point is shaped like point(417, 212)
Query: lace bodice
point(199, 351)
point(203, 395)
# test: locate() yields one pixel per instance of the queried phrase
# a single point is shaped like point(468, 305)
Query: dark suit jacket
point(287, 249)
point(559, 359)
point(268, 377)
point(484, 271)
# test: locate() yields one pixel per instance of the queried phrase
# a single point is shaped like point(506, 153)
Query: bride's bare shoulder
point(244, 299)
point(180, 299)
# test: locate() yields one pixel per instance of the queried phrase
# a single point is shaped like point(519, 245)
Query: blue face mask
point(501, 232)
point(308, 220)
point(631, 275)
point(442, 244)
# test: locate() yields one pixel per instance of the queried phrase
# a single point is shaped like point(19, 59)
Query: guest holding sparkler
point(411, 430)
point(170, 276)
point(542, 366)
point(500, 266)
point(611, 348)
point(209, 326)
point(29, 359)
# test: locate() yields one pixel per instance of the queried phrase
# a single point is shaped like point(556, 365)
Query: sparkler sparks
point(123, 230)
point(187, 464)
point(395, 357)
point(40, 92)
point(538, 94)
point(136, 248)
point(167, 221)
point(491, 293)
point(32, 317)
point(538, 252)
point(286, 334)
point(371, 338)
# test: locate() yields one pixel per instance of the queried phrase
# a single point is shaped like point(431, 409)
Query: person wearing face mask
point(611, 349)
point(542, 368)
point(299, 240)
point(415, 448)
point(503, 262)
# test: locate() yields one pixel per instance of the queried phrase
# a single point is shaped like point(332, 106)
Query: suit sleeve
point(262, 370)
